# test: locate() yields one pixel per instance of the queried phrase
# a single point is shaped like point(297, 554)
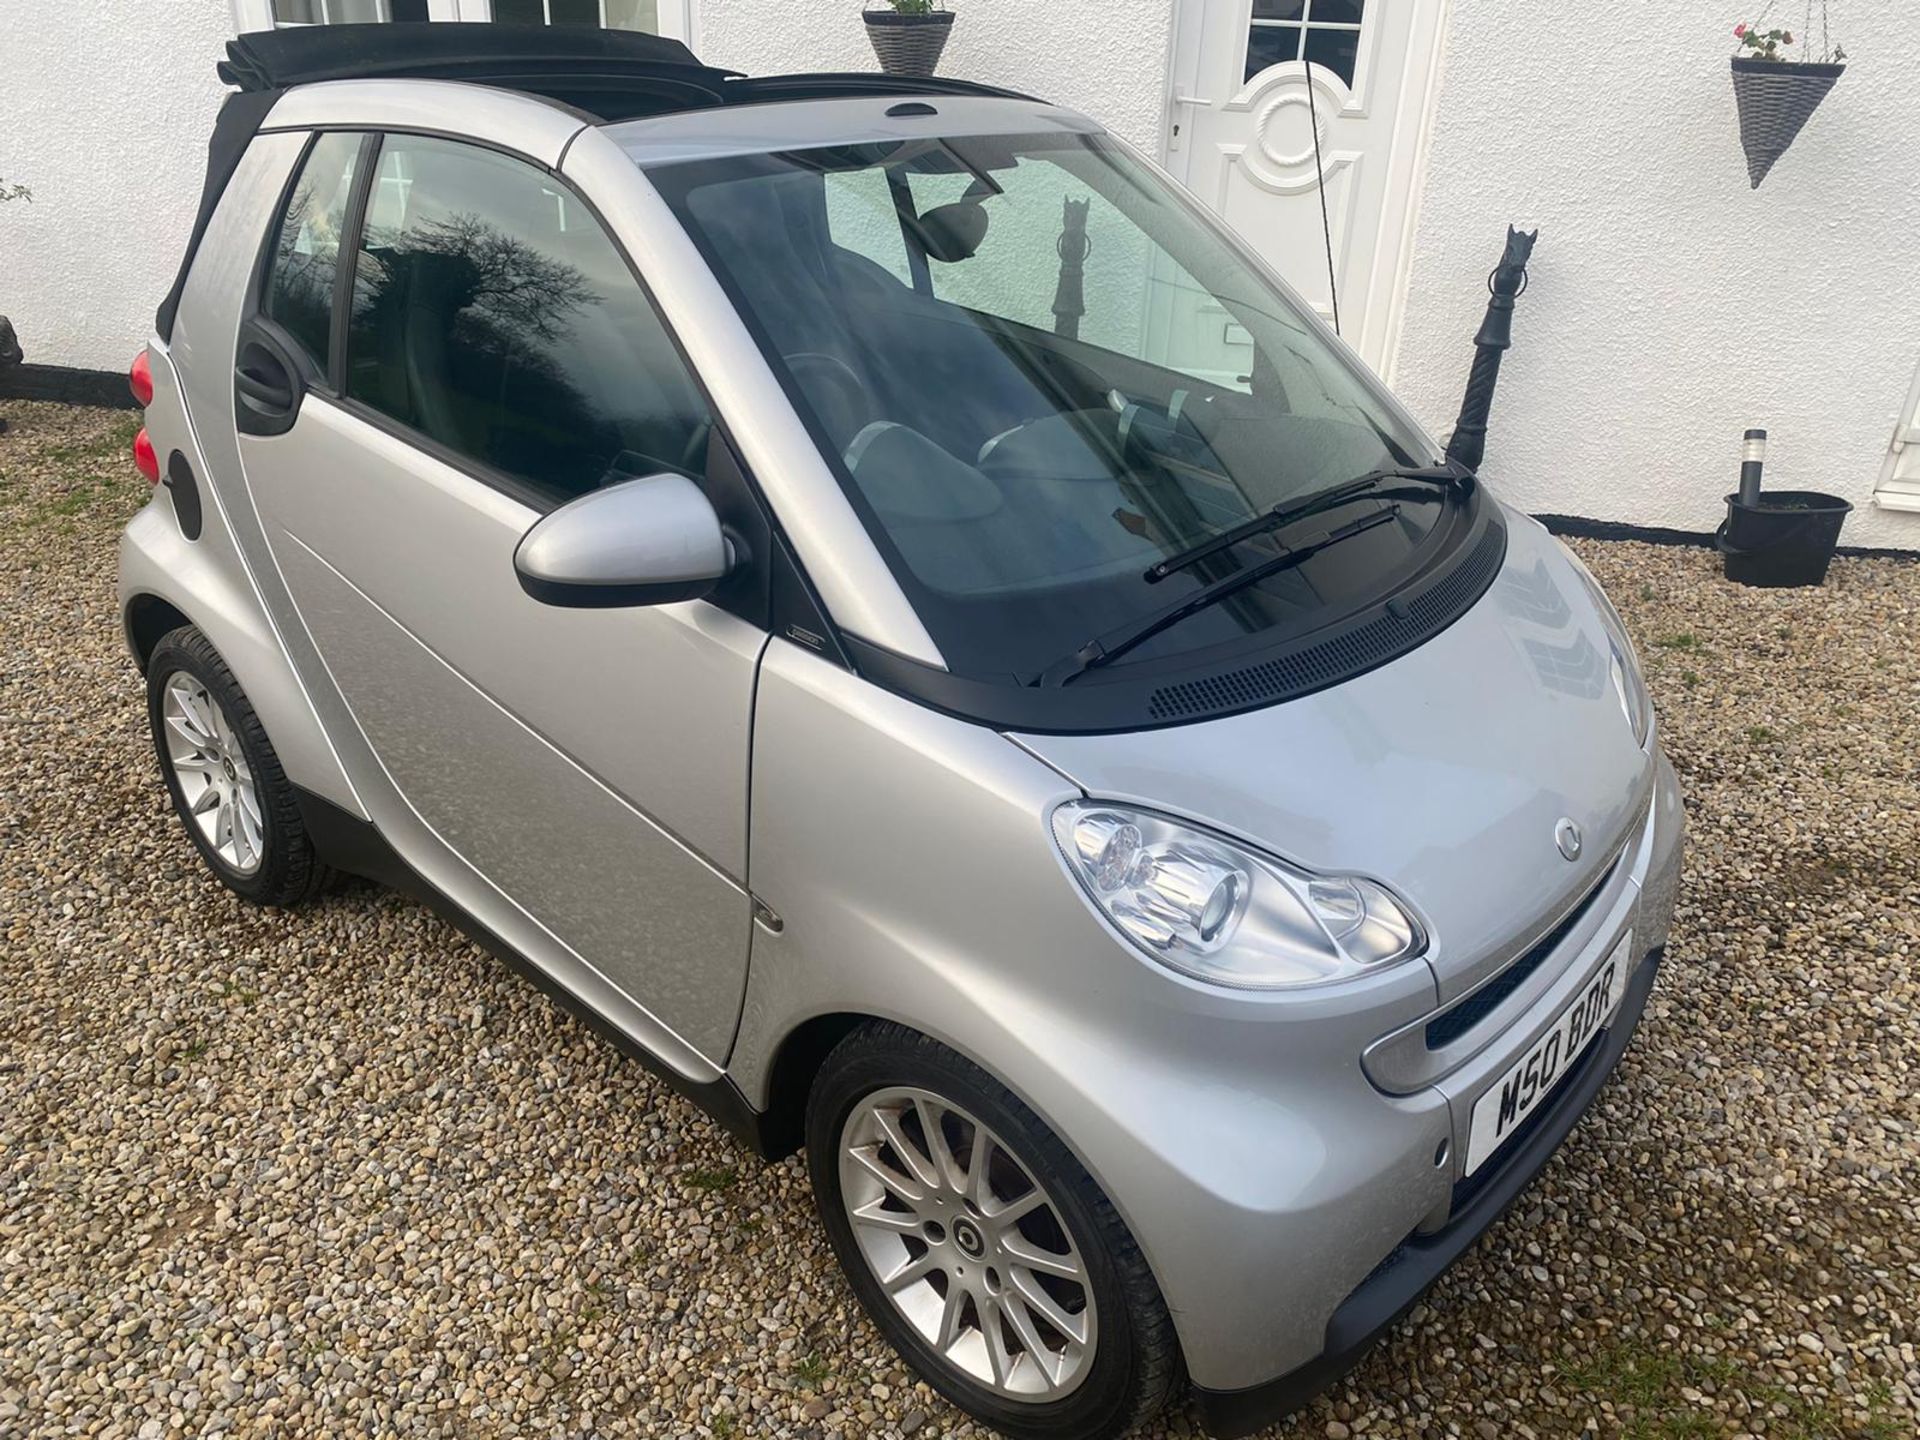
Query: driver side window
point(492, 314)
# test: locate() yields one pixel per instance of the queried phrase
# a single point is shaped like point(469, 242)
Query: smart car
point(872, 596)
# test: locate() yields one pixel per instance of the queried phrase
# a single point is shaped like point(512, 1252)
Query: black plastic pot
point(1775, 99)
point(908, 44)
point(1787, 539)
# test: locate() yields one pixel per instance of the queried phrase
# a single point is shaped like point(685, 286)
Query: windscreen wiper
point(1265, 523)
point(1104, 649)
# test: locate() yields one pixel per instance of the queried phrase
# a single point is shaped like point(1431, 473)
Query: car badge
point(1567, 836)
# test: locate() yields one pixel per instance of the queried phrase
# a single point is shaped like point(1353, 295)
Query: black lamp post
point(1469, 443)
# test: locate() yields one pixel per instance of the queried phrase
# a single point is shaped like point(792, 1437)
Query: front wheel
point(976, 1242)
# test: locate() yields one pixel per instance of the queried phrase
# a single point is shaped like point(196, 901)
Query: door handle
point(266, 388)
point(1191, 100)
point(262, 391)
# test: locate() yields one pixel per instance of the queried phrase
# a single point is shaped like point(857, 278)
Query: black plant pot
point(908, 44)
point(1776, 98)
point(1787, 539)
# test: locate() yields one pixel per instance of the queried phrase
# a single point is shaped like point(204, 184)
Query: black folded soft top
point(605, 75)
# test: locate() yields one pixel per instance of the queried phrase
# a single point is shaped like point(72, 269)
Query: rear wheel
point(224, 779)
point(979, 1246)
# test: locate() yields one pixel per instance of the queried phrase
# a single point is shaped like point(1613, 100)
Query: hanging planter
point(1777, 96)
point(909, 37)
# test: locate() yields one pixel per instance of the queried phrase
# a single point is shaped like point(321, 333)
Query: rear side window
point(492, 314)
point(306, 249)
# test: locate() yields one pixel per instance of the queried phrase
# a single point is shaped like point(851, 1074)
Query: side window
point(861, 218)
point(492, 314)
point(306, 250)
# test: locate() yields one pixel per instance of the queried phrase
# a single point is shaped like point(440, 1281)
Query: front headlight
point(1215, 910)
point(1623, 664)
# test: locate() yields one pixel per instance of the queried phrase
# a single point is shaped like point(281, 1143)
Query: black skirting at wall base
point(66, 384)
point(1582, 529)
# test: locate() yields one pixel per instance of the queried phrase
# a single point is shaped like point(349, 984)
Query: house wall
point(1671, 307)
point(106, 111)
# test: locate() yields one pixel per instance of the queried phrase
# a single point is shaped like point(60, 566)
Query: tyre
point(225, 780)
point(983, 1251)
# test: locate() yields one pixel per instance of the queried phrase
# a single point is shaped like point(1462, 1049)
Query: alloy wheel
point(969, 1248)
point(216, 784)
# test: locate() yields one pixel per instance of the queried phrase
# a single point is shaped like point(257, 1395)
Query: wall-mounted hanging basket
point(908, 44)
point(1776, 98)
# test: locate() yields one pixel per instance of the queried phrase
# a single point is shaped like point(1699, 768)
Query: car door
point(483, 354)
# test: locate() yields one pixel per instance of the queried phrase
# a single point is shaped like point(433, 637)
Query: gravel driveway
point(339, 1173)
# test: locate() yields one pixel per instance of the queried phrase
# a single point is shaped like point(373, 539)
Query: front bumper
point(1410, 1259)
point(1409, 1270)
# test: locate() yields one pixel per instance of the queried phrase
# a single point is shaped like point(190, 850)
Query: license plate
point(1518, 1093)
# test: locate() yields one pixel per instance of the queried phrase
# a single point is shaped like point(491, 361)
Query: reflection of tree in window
point(467, 319)
point(306, 256)
point(300, 298)
point(492, 313)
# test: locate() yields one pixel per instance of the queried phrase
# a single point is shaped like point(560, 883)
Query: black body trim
point(185, 491)
point(1405, 1275)
point(610, 597)
point(357, 847)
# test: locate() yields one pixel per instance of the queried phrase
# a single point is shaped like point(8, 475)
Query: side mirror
point(652, 541)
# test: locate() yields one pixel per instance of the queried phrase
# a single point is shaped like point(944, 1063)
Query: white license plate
point(1518, 1093)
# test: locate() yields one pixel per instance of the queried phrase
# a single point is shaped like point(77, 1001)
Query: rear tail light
point(144, 457)
point(140, 380)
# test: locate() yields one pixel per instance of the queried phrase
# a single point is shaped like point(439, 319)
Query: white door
point(1240, 134)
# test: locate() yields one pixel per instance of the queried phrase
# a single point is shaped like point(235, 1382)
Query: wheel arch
point(796, 1061)
point(146, 619)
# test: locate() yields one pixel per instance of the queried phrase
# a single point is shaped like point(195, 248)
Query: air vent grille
point(1330, 661)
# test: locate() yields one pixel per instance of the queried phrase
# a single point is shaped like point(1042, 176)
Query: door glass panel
point(573, 12)
point(1324, 32)
point(306, 250)
point(1335, 50)
point(492, 314)
point(519, 12)
point(1338, 12)
point(1271, 45)
point(356, 12)
point(298, 12)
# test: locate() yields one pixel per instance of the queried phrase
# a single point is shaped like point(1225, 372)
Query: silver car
point(871, 596)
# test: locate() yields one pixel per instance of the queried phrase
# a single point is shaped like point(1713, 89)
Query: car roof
point(756, 129)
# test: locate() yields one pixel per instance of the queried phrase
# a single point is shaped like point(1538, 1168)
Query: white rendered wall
point(105, 117)
point(1671, 306)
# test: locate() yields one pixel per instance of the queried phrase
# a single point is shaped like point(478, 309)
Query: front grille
point(1446, 1028)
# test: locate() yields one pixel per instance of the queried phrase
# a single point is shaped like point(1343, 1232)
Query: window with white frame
point(655, 17)
point(1321, 32)
point(610, 14)
point(346, 12)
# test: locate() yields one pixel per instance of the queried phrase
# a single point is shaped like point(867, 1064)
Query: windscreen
point(1039, 372)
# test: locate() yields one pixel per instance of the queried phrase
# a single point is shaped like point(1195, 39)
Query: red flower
point(1740, 31)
